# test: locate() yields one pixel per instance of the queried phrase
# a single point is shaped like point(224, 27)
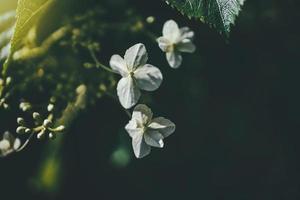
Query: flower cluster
point(138, 75)
point(42, 126)
point(9, 144)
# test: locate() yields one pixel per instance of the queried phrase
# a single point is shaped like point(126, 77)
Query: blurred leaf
point(7, 19)
point(49, 175)
point(120, 158)
point(28, 12)
point(218, 13)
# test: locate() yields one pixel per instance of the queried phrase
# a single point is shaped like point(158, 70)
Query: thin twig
point(98, 63)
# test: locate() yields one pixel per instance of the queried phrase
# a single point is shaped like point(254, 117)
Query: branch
point(26, 53)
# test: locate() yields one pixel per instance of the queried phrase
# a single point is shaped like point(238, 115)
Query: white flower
point(9, 144)
point(174, 41)
point(136, 75)
point(146, 132)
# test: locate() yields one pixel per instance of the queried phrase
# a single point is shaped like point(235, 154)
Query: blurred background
point(236, 106)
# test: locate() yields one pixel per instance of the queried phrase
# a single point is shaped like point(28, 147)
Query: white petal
point(134, 129)
point(187, 46)
point(154, 138)
point(186, 33)
point(148, 77)
point(118, 64)
point(163, 125)
point(4, 145)
point(171, 31)
point(142, 114)
point(140, 148)
point(128, 93)
point(136, 56)
point(9, 137)
point(164, 43)
point(174, 59)
point(17, 144)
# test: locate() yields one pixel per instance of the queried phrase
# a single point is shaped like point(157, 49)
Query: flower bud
point(25, 106)
point(27, 130)
point(8, 80)
point(21, 130)
point(60, 128)
point(41, 134)
point(50, 107)
point(150, 20)
point(52, 136)
point(20, 121)
point(36, 116)
point(47, 123)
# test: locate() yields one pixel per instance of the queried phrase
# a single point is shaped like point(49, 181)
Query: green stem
point(26, 142)
point(98, 63)
point(116, 99)
point(36, 52)
point(151, 35)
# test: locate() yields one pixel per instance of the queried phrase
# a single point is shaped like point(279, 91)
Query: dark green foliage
point(221, 14)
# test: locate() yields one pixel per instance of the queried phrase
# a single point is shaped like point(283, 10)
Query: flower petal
point(154, 138)
point(163, 125)
point(134, 129)
point(4, 145)
point(118, 64)
point(187, 46)
point(174, 59)
point(17, 144)
point(140, 148)
point(136, 56)
point(128, 93)
point(142, 114)
point(186, 33)
point(171, 31)
point(148, 77)
point(163, 43)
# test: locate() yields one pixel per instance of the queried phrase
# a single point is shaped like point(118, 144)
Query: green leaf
point(28, 13)
point(219, 13)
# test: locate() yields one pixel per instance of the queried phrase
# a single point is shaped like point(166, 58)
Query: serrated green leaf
point(219, 13)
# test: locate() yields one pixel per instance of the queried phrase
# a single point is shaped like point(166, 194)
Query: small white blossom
point(146, 132)
point(9, 144)
point(136, 75)
point(174, 41)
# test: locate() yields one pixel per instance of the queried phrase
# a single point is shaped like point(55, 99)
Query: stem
point(36, 52)
point(151, 35)
point(26, 142)
point(98, 63)
point(114, 98)
point(128, 113)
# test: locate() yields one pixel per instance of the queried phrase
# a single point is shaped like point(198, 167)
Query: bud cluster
point(43, 126)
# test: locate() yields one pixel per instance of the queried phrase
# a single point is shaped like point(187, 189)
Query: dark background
point(236, 106)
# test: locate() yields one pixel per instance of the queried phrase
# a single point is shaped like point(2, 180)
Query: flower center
point(171, 48)
point(131, 73)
